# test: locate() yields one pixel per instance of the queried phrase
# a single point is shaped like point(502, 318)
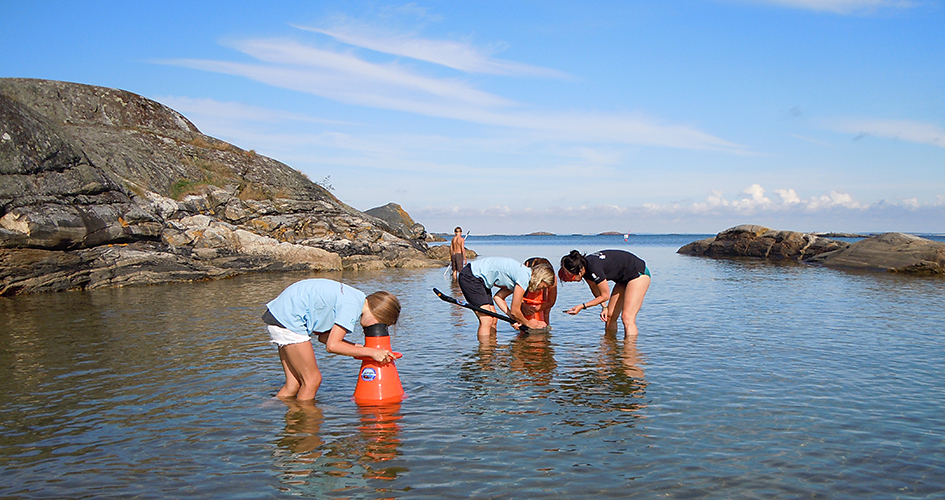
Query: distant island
point(540, 233)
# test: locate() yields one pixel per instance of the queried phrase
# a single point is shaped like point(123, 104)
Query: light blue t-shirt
point(315, 305)
point(501, 271)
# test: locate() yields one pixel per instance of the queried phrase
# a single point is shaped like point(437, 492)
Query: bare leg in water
point(302, 377)
point(628, 299)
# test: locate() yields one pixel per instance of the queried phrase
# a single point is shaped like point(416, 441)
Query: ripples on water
point(748, 380)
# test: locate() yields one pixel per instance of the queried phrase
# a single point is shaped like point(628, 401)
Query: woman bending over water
point(631, 280)
point(512, 278)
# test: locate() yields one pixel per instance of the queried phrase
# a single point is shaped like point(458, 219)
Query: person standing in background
point(457, 251)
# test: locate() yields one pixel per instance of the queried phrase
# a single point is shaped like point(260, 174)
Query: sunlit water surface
point(748, 380)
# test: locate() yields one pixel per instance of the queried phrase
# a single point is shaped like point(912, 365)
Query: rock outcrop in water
point(895, 252)
point(759, 241)
point(102, 187)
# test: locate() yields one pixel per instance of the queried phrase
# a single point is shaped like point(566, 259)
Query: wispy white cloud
point(421, 96)
point(841, 6)
point(461, 56)
point(617, 128)
point(345, 77)
point(903, 130)
point(290, 137)
point(347, 68)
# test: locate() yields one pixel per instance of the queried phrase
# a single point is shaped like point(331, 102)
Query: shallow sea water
point(748, 380)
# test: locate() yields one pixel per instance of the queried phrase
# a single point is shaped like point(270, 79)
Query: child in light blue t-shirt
point(328, 309)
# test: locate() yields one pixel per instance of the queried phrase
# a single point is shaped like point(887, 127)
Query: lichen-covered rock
point(84, 167)
point(895, 252)
point(31, 270)
point(759, 241)
point(399, 221)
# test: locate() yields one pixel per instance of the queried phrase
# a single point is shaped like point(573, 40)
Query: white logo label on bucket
point(368, 374)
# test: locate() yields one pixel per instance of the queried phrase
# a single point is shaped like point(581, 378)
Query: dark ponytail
point(574, 262)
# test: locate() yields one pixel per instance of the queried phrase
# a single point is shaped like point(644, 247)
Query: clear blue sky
point(521, 116)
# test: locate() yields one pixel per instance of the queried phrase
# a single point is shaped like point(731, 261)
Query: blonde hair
point(384, 306)
point(543, 274)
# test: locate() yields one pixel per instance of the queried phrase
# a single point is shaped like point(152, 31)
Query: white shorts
point(283, 336)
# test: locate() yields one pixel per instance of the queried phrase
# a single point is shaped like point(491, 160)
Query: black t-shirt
point(614, 265)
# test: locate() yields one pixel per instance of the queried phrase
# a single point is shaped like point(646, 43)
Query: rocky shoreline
point(103, 187)
point(892, 252)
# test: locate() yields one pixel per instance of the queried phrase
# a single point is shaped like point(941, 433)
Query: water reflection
point(589, 388)
point(303, 423)
point(612, 352)
point(338, 463)
point(379, 432)
point(533, 355)
point(606, 391)
point(300, 441)
point(458, 314)
point(486, 357)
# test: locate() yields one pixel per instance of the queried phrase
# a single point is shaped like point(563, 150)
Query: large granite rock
point(94, 179)
point(759, 241)
point(399, 220)
point(895, 252)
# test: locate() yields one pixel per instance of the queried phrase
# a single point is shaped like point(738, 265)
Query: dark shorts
point(457, 261)
point(646, 272)
point(474, 289)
